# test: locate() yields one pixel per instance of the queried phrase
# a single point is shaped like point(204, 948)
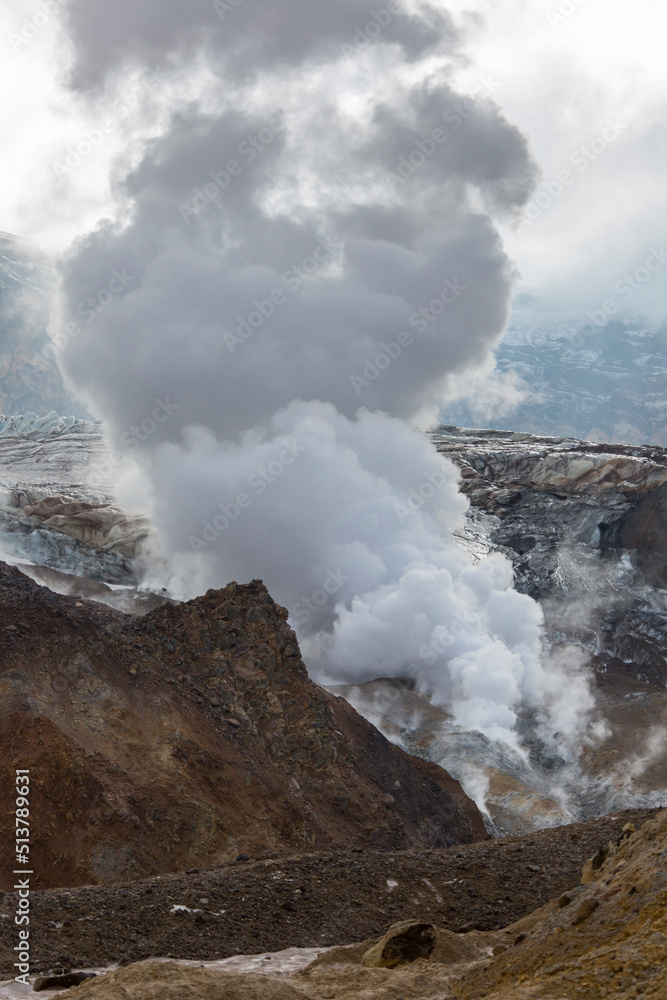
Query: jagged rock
point(643, 530)
point(593, 865)
point(125, 725)
point(30, 425)
point(404, 942)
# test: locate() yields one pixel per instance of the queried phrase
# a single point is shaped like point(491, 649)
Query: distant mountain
point(29, 378)
point(602, 384)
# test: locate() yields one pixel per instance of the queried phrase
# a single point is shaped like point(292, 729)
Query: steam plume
point(302, 258)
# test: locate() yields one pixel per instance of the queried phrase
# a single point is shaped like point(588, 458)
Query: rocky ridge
point(191, 735)
point(606, 938)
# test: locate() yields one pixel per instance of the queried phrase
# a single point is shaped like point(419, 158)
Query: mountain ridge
point(191, 735)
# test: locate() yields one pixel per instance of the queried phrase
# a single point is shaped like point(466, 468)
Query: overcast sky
point(570, 74)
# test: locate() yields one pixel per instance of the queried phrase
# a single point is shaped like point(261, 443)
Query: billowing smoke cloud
point(304, 254)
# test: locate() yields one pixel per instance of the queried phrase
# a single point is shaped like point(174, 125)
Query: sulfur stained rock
point(590, 870)
point(584, 910)
point(615, 947)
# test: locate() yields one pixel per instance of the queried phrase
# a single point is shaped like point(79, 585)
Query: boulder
point(404, 942)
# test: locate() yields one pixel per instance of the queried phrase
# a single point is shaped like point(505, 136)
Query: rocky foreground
point(306, 899)
point(605, 936)
point(189, 736)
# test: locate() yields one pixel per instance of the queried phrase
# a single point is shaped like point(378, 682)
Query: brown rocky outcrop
point(405, 942)
point(190, 736)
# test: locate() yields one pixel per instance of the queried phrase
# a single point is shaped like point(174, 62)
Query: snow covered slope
point(29, 377)
point(52, 517)
point(604, 383)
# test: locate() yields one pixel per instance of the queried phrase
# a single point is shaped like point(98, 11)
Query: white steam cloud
point(300, 261)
